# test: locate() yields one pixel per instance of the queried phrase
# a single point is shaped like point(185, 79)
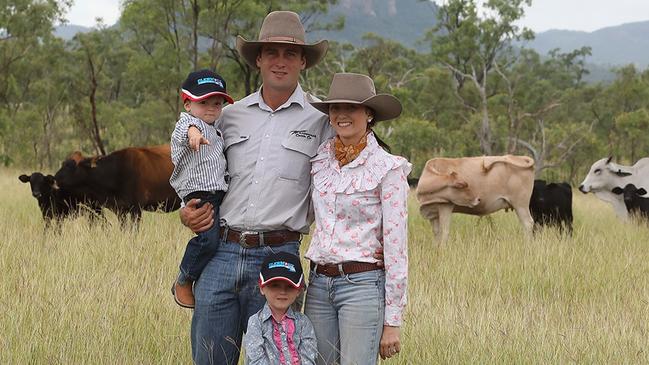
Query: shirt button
point(262, 158)
point(256, 181)
point(252, 205)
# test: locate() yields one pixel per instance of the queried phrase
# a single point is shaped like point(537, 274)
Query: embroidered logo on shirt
point(284, 264)
point(303, 134)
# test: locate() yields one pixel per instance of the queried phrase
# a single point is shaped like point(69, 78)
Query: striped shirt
point(291, 341)
point(202, 170)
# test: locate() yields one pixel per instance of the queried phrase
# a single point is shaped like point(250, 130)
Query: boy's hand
point(196, 139)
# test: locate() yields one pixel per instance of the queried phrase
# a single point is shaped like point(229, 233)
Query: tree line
point(474, 93)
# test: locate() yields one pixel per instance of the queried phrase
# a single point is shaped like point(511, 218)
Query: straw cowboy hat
point(281, 27)
point(359, 89)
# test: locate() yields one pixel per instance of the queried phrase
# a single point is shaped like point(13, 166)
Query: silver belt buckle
point(242, 238)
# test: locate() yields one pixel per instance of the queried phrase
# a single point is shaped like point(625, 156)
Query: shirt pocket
point(296, 154)
point(236, 155)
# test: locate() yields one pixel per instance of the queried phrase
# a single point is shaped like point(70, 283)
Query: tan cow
point(498, 182)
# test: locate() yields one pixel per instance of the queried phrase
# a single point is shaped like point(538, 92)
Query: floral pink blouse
point(360, 207)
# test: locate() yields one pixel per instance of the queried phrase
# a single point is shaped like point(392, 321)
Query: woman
point(360, 202)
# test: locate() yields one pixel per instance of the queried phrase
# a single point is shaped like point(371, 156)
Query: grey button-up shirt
point(268, 155)
point(290, 341)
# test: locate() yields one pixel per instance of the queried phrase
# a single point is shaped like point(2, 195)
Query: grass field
point(100, 295)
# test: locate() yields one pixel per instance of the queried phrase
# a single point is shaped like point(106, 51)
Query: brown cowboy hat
point(283, 27)
point(359, 89)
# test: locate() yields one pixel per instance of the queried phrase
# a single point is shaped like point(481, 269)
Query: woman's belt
point(344, 268)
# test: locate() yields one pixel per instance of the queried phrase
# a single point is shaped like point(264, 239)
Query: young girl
point(360, 201)
point(277, 334)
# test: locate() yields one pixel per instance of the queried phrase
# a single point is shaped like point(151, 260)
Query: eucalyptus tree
point(23, 25)
point(470, 44)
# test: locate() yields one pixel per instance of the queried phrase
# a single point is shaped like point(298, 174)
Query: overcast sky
point(585, 15)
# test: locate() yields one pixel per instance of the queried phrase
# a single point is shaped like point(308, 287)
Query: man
point(270, 137)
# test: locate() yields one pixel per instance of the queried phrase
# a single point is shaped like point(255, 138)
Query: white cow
point(605, 175)
point(499, 182)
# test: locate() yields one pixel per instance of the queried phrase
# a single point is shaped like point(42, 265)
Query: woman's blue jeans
point(226, 295)
point(347, 315)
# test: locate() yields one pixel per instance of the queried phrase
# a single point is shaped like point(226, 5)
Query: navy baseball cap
point(202, 84)
point(281, 266)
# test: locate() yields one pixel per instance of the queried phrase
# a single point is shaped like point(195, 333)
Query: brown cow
point(125, 181)
point(500, 182)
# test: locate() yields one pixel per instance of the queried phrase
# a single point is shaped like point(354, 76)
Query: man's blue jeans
point(347, 315)
point(227, 294)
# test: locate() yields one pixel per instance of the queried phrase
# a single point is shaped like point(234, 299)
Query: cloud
point(84, 12)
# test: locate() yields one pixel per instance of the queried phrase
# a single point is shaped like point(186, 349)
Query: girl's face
point(279, 295)
point(349, 121)
point(208, 110)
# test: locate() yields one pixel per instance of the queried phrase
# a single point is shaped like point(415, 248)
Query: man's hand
point(196, 139)
point(197, 219)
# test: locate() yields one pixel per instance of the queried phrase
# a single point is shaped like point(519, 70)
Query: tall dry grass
point(100, 295)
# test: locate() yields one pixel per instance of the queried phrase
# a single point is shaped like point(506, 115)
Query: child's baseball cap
point(281, 266)
point(202, 84)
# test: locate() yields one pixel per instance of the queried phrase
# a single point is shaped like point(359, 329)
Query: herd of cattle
point(135, 179)
point(126, 182)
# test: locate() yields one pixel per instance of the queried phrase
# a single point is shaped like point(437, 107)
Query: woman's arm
point(394, 205)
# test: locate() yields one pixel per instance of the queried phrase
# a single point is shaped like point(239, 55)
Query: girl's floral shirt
point(360, 207)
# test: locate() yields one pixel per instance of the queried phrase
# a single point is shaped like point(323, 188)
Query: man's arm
point(197, 219)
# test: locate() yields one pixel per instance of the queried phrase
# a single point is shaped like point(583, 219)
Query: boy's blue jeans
point(203, 246)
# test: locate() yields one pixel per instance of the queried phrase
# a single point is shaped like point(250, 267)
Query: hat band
point(282, 39)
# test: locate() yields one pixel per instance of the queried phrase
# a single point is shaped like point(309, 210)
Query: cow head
point(436, 187)
point(630, 191)
point(604, 175)
point(41, 185)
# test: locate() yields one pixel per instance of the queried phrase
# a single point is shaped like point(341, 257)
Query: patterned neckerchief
point(346, 154)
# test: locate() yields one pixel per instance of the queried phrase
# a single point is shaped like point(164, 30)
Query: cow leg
point(525, 218)
point(434, 222)
point(136, 216)
point(445, 211)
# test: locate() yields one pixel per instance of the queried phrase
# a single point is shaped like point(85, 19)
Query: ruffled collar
point(364, 173)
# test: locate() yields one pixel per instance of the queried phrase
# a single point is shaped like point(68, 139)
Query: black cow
point(635, 203)
point(126, 181)
point(551, 204)
point(55, 203)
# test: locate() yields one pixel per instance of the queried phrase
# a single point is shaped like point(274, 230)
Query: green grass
point(99, 295)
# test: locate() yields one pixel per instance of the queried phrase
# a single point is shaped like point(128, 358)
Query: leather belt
point(349, 267)
point(251, 239)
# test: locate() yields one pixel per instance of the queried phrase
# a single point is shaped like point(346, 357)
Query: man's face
point(280, 66)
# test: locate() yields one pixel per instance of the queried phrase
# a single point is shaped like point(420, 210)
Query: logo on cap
point(284, 264)
point(209, 80)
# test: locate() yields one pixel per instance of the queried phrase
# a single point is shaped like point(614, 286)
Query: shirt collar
point(267, 314)
point(297, 97)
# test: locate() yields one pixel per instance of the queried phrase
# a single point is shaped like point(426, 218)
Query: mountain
point(405, 21)
point(614, 46)
point(68, 31)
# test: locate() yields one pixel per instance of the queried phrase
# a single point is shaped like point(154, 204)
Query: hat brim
point(385, 106)
point(297, 285)
point(313, 53)
point(187, 95)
